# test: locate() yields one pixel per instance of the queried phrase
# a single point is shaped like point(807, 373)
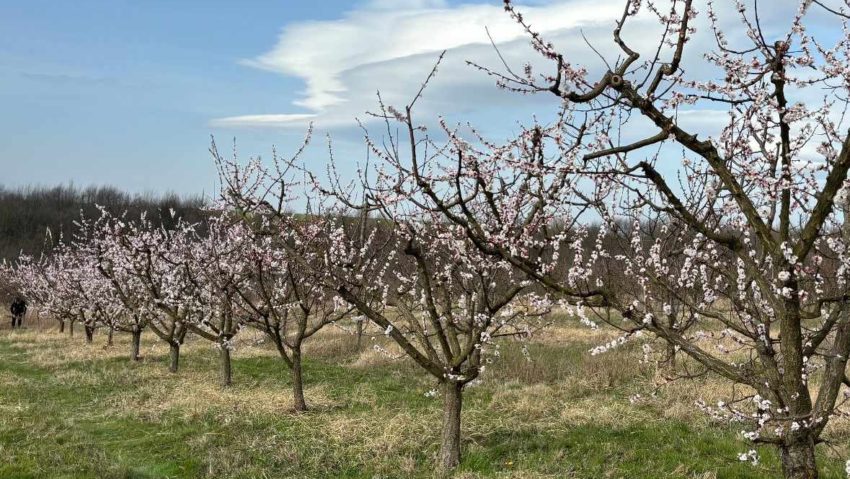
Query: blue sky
point(121, 92)
point(128, 93)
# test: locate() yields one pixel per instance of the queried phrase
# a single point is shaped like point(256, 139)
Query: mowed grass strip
point(73, 410)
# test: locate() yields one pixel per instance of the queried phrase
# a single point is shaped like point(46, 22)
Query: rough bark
point(174, 354)
point(89, 334)
point(71, 329)
point(226, 371)
point(135, 345)
point(452, 405)
point(297, 381)
point(61, 326)
point(798, 460)
point(109, 341)
point(359, 334)
point(671, 348)
point(669, 363)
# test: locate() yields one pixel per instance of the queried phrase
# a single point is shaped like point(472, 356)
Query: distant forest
point(28, 213)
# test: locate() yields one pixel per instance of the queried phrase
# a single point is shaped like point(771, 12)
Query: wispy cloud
point(65, 78)
point(263, 121)
point(390, 45)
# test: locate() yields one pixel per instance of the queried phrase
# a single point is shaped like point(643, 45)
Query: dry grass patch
point(194, 396)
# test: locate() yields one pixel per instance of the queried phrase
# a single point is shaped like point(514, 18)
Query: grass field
point(72, 410)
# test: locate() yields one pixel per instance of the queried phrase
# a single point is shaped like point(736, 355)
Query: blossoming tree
point(216, 269)
point(723, 241)
point(142, 262)
point(435, 295)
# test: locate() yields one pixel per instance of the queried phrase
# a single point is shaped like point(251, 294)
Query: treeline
point(30, 216)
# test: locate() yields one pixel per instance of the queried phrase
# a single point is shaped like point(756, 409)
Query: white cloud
point(405, 4)
point(278, 120)
point(390, 45)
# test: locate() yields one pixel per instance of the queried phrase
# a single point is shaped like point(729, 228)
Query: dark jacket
point(19, 307)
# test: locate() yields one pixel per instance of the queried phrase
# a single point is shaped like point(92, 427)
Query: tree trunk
point(226, 370)
point(671, 357)
point(109, 337)
point(671, 348)
point(359, 333)
point(89, 334)
point(297, 381)
point(174, 353)
point(136, 344)
point(61, 326)
point(452, 404)
point(71, 329)
point(798, 460)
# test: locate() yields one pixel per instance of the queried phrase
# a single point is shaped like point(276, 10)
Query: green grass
point(72, 411)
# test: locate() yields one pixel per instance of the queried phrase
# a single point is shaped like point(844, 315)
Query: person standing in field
point(18, 310)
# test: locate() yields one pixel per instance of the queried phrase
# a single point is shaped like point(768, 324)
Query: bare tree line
point(27, 213)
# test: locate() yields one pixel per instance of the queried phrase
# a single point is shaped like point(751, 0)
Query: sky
point(129, 92)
